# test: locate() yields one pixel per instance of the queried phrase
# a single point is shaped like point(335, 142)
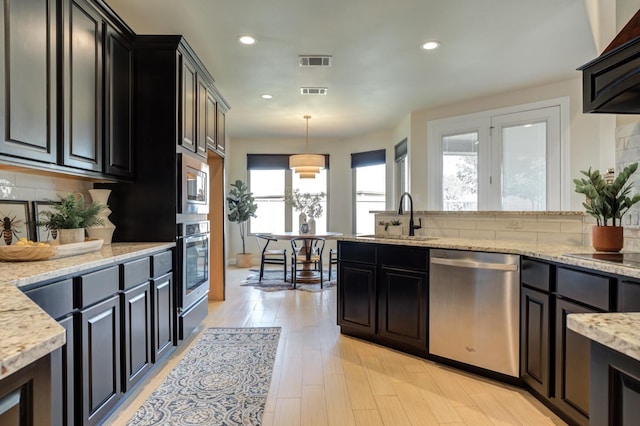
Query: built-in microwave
point(193, 185)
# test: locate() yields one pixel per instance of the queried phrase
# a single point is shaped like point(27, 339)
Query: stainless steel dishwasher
point(474, 309)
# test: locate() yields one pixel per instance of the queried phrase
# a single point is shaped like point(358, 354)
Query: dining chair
point(333, 260)
point(306, 252)
point(270, 256)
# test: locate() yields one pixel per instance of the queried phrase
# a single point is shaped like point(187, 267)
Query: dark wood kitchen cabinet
point(83, 46)
point(220, 128)
point(208, 125)
point(403, 298)
point(99, 344)
point(189, 96)
point(25, 395)
point(535, 350)
point(118, 128)
point(357, 284)
point(29, 79)
point(162, 303)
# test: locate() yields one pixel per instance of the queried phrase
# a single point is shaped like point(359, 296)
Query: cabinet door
point(100, 352)
point(210, 131)
point(220, 130)
point(28, 77)
point(136, 334)
point(62, 379)
point(201, 140)
point(402, 307)
point(25, 395)
point(188, 92)
point(83, 37)
point(119, 88)
point(534, 365)
point(357, 297)
point(163, 315)
point(572, 365)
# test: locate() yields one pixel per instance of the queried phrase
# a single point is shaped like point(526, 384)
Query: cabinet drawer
point(96, 286)
point(536, 274)
point(402, 257)
point(583, 287)
point(135, 272)
point(55, 299)
point(628, 296)
point(161, 263)
point(357, 252)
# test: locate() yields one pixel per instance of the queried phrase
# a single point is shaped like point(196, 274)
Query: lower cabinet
point(62, 379)
point(163, 315)
point(615, 387)
point(137, 344)
point(99, 348)
point(535, 350)
point(402, 307)
point(25, 395)
point(383, 294)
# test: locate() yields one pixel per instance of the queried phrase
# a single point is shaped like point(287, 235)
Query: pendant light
point(307, 165)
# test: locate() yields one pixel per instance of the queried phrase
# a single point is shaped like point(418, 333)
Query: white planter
point(394, 230)
point(104, 232)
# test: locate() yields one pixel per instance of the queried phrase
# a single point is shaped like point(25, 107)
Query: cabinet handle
point(9, 401)
point(474, 265)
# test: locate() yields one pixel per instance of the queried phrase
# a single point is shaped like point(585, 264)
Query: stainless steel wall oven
point(193, 251)
point(193, 185)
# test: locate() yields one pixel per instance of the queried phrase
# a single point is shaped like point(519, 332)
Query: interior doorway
point(216, 220)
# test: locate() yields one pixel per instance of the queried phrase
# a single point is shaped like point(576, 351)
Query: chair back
point(263, 241)
point(307, 246)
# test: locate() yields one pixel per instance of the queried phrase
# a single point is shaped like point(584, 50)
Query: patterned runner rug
point(222, 380)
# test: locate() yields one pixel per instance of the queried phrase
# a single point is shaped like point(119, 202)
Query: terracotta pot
point(243, 260)
point(607, 238)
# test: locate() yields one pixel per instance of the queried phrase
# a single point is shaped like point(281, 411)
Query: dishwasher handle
point(475, 265)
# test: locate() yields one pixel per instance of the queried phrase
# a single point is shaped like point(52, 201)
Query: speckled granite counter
point(617, 331)
point(27, 332)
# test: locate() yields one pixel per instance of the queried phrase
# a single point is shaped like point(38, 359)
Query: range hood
point(611, 82)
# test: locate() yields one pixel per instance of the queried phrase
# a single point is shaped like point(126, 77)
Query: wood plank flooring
point(321, 377)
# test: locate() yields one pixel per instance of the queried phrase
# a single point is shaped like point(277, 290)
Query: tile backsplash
point(36, 187)
point(532, 227)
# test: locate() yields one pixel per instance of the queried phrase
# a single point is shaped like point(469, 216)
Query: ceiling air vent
point(315, 61)
point(313, 90)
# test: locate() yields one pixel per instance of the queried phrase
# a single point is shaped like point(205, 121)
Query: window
point(510, 159)
point(269, 179)
point(402, 171)
point(369, 189)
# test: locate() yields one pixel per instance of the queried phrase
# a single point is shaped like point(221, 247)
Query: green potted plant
point(69, 217)
point(608, 199)
point(241, 207)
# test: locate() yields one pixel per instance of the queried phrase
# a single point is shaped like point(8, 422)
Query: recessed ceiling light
point(430, 45)
point(266, 96)
point(246, 39)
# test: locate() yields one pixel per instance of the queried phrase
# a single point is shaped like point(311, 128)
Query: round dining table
point(306, 274)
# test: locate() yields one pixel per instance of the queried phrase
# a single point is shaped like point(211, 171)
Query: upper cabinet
point(68, 73)
point(221, 132)
point(28, 74)
point(83, 42)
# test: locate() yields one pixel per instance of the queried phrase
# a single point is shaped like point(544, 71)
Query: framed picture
point(15, 221)
point(42, 233)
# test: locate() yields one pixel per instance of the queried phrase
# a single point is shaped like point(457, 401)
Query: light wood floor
point(321, 377)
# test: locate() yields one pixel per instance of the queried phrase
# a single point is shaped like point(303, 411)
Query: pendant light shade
point(307, 165)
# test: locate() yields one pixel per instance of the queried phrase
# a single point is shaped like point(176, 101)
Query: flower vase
point(104, 232)
point(312, 226)
point(303, 224)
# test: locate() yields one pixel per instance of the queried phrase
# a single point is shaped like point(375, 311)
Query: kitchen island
point(385, 292)
point(28, 333)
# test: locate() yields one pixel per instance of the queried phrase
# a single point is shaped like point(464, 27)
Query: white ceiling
point(379, 72)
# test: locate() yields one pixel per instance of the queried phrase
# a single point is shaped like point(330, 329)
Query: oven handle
point(195, 238)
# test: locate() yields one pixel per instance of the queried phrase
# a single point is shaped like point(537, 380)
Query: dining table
point(306, 274)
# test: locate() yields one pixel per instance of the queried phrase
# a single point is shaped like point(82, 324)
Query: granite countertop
point(617, 331)
point(28, 333)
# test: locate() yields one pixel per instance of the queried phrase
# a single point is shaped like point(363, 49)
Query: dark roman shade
point(273, 161)
point(368, 158)
point(401, 149)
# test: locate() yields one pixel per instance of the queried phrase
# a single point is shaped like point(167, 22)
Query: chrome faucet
point(412, 227)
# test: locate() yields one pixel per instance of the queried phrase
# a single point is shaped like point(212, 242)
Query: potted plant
point(394, 227)
point(608, 199)
point(69, 217)
point(309, 206)
point(241, 207)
